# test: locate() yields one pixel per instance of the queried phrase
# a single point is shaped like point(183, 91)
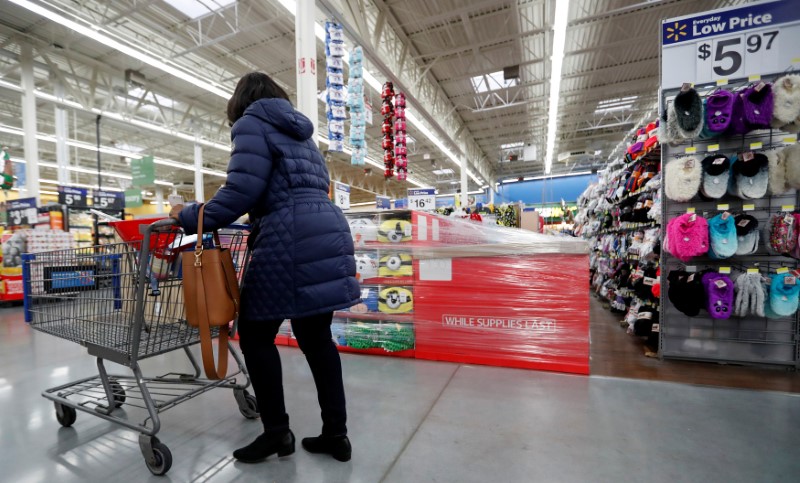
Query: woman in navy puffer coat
point(302, 267)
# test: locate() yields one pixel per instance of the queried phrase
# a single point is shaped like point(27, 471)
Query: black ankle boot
point(266, 445)
point(336, 446)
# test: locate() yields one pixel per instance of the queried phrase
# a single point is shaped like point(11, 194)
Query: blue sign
point(108, 200)
point(421, 191)
point(19, 172)
point(383, 203)
point(67, 195)
point(22, 212)
point(401, 203)
point(727, 21)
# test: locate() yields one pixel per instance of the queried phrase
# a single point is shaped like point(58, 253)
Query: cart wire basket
point(124, 303)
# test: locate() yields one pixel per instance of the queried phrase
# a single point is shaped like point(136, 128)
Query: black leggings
point(264, 364)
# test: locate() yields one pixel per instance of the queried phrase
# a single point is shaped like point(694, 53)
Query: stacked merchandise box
point(620, 216)
point(731, 171)
point(451, 289)
point(14, 244)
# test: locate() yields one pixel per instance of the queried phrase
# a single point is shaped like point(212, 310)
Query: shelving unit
point(740, 340)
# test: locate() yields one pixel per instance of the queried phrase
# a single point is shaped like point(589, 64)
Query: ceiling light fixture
point(556, 62)
point(93, 33)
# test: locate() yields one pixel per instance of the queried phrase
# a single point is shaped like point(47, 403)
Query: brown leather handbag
point(211, 296)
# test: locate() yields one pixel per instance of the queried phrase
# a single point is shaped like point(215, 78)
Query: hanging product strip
point(356, 104)
point(334, 82)
point(621, 216)
point(731, 171)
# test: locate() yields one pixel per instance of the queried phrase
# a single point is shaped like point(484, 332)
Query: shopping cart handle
point(165, 223)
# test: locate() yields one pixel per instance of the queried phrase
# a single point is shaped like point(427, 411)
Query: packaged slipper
point(685, 114)
point(784, 294)
point(722, 232)
point(719, 111)
point(791, 162)
point(751, 173)
point(786, 100)
point(777, 172)
point(688, 236)
point(682, 178)
point(781, 233)
point(747, 234)
point(716, 172)
point(719, 295)
point(758, 106)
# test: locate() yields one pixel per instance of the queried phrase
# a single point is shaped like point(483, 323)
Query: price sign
point(108, 200)
point(22, 212)
point(401, 203)
point(341, 195)
point(383, 203)
point(729, 43)
point(422, 199)
point(74, 197)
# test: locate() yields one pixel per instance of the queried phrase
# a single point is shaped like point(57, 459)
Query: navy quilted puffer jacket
point(302, 261)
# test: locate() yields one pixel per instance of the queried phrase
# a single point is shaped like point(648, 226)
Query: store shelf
point(388, 281)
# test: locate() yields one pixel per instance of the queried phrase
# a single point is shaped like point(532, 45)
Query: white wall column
point(29, 124)
point(306, 53)
point(464, 182)
point(62, 151)
point(199, 187)
point(159, 199)
point(491, 195)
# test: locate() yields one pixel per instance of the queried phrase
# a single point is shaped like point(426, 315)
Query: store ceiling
point(610, 79)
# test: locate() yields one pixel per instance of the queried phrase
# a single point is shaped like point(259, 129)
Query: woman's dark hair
point(252, 87)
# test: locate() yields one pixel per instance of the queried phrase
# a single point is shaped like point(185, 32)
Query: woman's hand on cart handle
point(175, 212)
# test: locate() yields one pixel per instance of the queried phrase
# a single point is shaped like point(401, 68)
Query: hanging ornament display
point(400, 148)
point(334, 82)
point(355, 101)
point(387, 128)
point(8, 169)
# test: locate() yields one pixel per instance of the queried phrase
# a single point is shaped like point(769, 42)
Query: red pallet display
point(485, 294)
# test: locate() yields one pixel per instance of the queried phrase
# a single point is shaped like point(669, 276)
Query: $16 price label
point(737, 56)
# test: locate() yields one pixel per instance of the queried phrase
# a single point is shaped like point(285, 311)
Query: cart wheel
point(119, 393)
point(65, 415)
point(162, 458)
point(248, 405)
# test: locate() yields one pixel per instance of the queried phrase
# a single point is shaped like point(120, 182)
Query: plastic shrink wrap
point(452, 289)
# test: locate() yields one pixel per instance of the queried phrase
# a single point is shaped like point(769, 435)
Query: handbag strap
point(219, 370)
point(199, 245)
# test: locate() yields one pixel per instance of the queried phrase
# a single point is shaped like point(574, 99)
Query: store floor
point(409, 421)
point(615, 353)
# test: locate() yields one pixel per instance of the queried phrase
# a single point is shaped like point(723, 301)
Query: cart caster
point(65, 415)
point(119, 393)
point(160, 461)
point(248, 405)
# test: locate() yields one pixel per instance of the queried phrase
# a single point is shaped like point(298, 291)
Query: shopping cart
point(124, 303)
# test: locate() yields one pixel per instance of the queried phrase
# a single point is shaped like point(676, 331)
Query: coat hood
point(283, 116)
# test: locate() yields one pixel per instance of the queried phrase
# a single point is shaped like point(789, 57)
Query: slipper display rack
point(620, 218)
point(725, 337)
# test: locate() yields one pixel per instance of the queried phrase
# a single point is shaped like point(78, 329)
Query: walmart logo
point(676, 32)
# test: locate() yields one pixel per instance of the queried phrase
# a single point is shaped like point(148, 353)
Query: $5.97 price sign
point(735, 56)
point(730, 44)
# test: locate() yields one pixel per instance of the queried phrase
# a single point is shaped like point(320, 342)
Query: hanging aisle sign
point(422, 198)
point(143, 172)
point(341, 195)
point(74, 197)
point(383, 203)
point(22, 212)
point(730, 43)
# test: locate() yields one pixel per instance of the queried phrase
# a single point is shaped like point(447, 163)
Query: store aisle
point(617, 354)
point(410, 421)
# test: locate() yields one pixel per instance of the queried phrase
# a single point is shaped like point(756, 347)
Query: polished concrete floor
point(410, 421)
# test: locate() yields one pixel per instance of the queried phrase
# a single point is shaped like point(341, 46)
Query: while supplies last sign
point(731, 43)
